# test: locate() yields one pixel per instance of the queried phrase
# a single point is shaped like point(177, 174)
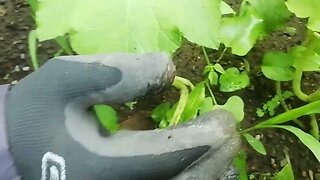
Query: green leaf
point(170, 113)
point(207, 106)
point(195, 100)
point(308, 140)
point(273, 12)
point(278, 66)
point(128, 26)
point(226, 9)
point(233, 80)
point(163, 124)
point(213, 78)
point(219, 68)
point(241, 32)
point(107, 117)
point(235, 105)
point(260, 112)
point(287, 94)
point(255, 144)
point(303, 62)
point(286, 173)
point(311, 108)
point(159, 113)
point(208, 68)
point(306, 9)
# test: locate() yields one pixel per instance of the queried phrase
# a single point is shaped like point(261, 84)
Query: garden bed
point(14, 62)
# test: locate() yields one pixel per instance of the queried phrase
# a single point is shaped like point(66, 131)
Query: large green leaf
point(241, 32)
point(273, 12)
point(132, 26)
point(278, 66)
point(306, 9)
point(308, 140)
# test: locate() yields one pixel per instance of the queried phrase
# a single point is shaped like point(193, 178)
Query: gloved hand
point(51, 133)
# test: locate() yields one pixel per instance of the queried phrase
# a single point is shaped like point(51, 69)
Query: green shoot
point(64, 44)
point(181, 103)
point(33, 45)
point(131, 105)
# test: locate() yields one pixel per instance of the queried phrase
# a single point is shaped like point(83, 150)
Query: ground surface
point(15, 23)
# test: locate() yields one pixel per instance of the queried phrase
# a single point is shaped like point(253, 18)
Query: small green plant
point(270, 106)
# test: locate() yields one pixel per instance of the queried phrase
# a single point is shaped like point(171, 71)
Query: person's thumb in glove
point(52, 133)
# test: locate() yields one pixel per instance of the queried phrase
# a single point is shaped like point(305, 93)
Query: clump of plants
point(161, 26)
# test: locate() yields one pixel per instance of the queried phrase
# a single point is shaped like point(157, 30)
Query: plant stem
point(284, 105)
point(211, 94)
point(315, 95)
point(205, 55)
point(311, 43)
point(33, 45)
point(296, 86)
point(185, 81)
point(222, 54)
point(64, 44)
point(314, 127)
point(279, 93)
point(311, 108)
point(182, 101)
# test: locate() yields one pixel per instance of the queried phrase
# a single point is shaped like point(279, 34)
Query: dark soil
point(16, 22)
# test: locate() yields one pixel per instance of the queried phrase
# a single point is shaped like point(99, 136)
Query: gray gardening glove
point(51, 133)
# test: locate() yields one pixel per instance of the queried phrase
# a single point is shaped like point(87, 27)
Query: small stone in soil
point(272, 161)
point(16, 69)
point(23, 56)
point(14, 82)
point(310, 174)
point(2, 10)
point(26, 68)
point(304, 173)
point(258, 137)
point(6, 77)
